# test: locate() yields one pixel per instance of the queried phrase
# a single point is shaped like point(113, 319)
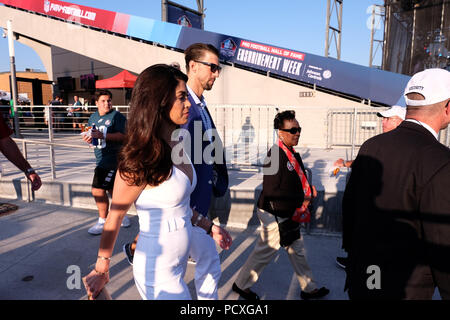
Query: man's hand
point(35, 181)
point(87, 138)
point(221, 237)
point(97, 134)
point(10, 150)
point(339, 163)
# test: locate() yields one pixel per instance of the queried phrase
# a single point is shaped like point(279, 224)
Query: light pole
point(14, 93)
point(163, 10)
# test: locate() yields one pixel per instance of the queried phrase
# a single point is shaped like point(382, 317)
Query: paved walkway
point(42, 246)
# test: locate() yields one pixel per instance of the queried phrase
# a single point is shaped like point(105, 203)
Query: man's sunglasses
point(293, 130)
point(214, 67)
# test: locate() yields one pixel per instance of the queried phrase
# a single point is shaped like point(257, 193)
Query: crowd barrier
point(351, 127)
point(246, 130)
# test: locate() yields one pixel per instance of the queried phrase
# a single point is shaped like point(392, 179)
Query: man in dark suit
point(396, 206)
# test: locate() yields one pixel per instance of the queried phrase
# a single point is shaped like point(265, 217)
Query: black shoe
point(127, 250)
point(245, 295)
point(342, 262)
point(318, 293)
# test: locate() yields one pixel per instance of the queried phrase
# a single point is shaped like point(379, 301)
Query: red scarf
point(301, 214)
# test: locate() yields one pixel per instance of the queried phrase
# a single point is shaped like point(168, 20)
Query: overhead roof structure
point(327, 74)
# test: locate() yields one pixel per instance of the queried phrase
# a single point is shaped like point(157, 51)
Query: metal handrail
point(51, 151)
point(51, 143)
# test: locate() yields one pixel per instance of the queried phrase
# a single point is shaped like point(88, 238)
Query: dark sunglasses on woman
point(293, 130)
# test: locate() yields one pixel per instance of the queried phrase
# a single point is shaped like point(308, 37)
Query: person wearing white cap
point(391, 119)
point(396, 205)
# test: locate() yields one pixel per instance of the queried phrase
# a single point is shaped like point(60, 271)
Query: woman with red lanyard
point(282, 207)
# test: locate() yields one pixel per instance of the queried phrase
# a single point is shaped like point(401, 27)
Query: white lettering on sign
point(259, 59)
point(73, 11)
point(273, 50)
point(292, 67)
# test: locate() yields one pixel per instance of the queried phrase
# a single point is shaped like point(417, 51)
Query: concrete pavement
point(46, 241)
point(44, 248)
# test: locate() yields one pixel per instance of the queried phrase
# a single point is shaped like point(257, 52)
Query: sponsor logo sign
point(98, 18)
point(72, 11)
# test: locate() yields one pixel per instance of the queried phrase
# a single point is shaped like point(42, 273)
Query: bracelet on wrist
point(103, 258)
point(199, 217)
point(101, 273)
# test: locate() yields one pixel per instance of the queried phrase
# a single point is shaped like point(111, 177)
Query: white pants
point(207, 268)
point(159, 264)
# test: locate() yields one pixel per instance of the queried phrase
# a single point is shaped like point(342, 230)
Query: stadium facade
point(417, 35)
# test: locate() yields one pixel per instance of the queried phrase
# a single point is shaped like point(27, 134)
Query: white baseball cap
point(393, 111)
point(433, 84)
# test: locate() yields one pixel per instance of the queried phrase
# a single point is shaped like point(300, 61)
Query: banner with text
point(359, 81)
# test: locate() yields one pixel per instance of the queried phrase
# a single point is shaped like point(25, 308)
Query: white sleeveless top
point(166, 208)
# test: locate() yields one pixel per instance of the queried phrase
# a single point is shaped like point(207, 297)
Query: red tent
point(121, 80)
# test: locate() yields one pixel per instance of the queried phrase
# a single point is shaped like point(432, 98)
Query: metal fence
point(63, 119)
point(246, 130)
point(351, 127)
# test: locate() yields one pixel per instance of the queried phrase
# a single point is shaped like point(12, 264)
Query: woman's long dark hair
point(145, 157)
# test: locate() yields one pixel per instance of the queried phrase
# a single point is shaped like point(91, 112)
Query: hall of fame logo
point(228, 48)
point(184, 21)
point(46, 6)
point(290, 166)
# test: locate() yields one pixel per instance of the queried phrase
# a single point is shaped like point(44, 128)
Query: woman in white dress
point(161, 190)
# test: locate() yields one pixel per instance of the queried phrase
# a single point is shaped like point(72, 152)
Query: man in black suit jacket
point(396, 206)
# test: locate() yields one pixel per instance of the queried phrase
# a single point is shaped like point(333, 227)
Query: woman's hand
point(94, 283)
point(221, 237)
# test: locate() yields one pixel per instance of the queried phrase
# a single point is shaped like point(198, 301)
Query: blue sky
point(292, 24)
